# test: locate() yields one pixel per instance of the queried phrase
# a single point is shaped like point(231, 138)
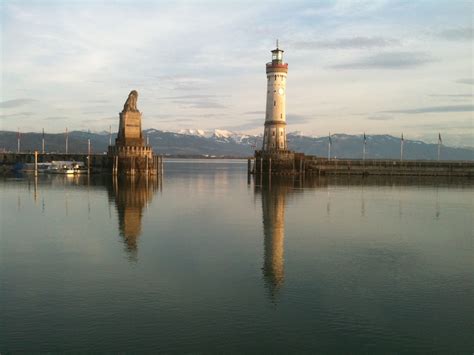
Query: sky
point(380, 67)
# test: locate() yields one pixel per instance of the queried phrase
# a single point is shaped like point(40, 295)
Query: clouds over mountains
point(203, 64)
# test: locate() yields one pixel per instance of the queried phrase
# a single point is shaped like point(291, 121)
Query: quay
point(300, 164)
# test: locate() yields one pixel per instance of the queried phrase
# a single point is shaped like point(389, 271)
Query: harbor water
point(206, 259)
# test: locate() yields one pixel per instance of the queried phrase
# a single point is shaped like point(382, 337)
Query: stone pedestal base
point(132, 160)
point(282, 162)
point(130, 129)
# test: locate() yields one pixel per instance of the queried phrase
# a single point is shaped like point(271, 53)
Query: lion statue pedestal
point(130, 154)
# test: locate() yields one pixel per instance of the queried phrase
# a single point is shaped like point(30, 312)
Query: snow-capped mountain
point(226, 143)
point(219, 134)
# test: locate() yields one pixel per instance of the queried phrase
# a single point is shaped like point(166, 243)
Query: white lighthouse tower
point(274, 136)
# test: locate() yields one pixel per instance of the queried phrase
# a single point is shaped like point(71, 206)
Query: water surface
point(204, 260)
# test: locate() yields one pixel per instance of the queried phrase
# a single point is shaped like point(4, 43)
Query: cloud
point(177, 120)
point(469, 81)
point(56, 118)
point(194, 100)
point(99, 101)
point(19, 114)
point(348, 43)
point(388, 60)
point(198, 104)
point(16, 103)
point(296, 119)
point(254, 113)
point(380, 118)
point(457, 34)
point(188, 97)
point(453, 126)
point(91, 112)
point(251, 124)
point(451, 95)
point(102, 119)
point(435, 109)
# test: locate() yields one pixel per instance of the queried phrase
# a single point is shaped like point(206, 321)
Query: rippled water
point(207, 261)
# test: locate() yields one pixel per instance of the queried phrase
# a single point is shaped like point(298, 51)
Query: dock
point(312, 165)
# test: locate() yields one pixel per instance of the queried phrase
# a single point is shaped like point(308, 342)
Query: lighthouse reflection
point(131, 195)
point(275, 194)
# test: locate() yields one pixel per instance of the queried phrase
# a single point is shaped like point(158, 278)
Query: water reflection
point(275, 193)
point(131, 196)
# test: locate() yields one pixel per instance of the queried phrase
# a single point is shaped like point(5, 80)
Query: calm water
point(205, 261)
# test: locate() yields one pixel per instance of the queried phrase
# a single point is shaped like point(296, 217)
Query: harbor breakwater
point(312, 165)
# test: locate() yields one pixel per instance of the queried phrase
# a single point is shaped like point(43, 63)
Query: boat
point(66, 167)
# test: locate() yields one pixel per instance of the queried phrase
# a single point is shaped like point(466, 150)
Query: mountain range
point(222, 143)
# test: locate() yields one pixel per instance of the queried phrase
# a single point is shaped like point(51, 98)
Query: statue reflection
point(274, 195)
point(132, 195)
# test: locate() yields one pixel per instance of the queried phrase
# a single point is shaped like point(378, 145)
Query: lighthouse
point(275, 157)
point(274, 136)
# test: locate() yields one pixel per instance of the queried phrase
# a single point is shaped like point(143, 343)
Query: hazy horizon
point(383, 67)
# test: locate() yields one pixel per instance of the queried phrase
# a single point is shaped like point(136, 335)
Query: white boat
point(66, 167)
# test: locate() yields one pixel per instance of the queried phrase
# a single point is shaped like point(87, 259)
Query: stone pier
point(291, 163)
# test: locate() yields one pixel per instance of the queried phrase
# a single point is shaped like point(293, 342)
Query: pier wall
point(298, 163)
point(314, 165)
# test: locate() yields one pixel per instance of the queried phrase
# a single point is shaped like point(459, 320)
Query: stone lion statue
point(131, 103)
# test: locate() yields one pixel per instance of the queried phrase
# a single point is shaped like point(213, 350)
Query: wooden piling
point(88, 156)
point(36, 163)
point(249, 164)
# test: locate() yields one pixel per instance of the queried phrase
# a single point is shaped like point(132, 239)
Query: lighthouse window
point(273, 133)
point(281, 115)
point(274, 103)
point(281, 133)
point(275, 77)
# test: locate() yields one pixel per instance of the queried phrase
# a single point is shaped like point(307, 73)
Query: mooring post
point(36, 163)
point(88, 156)
point(270, 166)
point(161, 164)
point(146, 165)
point(248, 166)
